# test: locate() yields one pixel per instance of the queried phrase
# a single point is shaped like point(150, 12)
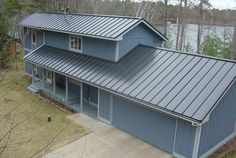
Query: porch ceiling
point(177, 83)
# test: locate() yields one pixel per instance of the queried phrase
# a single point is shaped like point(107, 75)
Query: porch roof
point(185, 85)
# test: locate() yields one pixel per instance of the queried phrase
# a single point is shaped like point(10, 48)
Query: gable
point(140, 34)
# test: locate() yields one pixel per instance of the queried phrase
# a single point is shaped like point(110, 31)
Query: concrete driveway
point(106, 142)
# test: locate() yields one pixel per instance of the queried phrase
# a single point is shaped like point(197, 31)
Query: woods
point(159, 13)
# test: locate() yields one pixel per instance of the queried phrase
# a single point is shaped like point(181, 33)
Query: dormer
point(101, 36)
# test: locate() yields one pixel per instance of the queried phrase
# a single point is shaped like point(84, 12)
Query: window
point(33, 36)
point(75, 43)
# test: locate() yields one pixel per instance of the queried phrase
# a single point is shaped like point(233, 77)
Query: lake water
point(191, 33)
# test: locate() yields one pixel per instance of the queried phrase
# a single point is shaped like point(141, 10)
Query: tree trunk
point(183, 24)
point(179, 22)
point(233, 47)
point(199, 30)
point(165, 21)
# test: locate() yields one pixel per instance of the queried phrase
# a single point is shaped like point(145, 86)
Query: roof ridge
point(99, 15)
point(193, 54)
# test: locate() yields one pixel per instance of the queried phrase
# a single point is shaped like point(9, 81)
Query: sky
point(223, 4)
point(219, 4)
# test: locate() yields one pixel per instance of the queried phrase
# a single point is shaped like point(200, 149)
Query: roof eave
point(72, 33)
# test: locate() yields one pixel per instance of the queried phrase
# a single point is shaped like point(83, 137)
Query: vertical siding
point(27, 45)
point(27, 41)
point(99, 48)
point(151, 126)
point(104, 105)
point(28, 68)
point(221, 123)
point(139, 35)
point(27, 52)
point(184, 138)
point(39, 36)
point(58, 40)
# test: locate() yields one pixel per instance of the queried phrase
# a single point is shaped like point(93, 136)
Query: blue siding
point(185, 138)
point(104, 105)
point(221, 123)
point(39, 36)
point(139, 35)
point(58, 40)
point(27, 41)
point(155, 128)
point(99, 48)
point(27, 52)
point(28, 68)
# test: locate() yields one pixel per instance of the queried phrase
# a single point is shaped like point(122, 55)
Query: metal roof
point(182, 84)
point(98, 26)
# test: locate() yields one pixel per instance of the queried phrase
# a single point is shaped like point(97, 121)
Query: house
point(114, 68)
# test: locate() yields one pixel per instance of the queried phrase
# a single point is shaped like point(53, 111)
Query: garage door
point(153, 127)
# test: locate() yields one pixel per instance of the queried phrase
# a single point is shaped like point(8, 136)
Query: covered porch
point(65, 90)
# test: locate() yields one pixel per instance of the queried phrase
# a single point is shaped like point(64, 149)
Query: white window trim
point(76, 50)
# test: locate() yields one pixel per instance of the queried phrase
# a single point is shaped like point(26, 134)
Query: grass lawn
point(17, 104)
point(231, 154)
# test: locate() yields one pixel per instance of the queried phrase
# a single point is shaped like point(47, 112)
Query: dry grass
point(231, 154)
point(35, 133)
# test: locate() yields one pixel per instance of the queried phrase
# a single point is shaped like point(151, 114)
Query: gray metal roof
point(183, 84)
point(98, 26)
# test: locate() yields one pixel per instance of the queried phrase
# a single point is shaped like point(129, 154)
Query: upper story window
point(75, 43)
point(33, 36)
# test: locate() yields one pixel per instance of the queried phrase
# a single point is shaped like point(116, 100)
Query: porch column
point(54, 82)
point(43, 77)
point(33, 75)
point(81, 97)
point(66, 88)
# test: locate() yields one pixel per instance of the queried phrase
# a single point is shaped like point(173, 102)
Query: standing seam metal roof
point(99, 26)
point(184, 84)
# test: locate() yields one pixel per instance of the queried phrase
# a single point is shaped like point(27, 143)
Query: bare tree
point(165, 20)
point(203, 3)
point(199, 29)
point(183, 25)
point(233, 45)
point(178, 26)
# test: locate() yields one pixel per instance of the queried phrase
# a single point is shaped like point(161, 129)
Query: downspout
point(196, 140)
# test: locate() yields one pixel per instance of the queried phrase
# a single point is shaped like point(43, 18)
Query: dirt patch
point(225, 149)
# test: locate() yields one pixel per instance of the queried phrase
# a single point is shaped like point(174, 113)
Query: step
point(33, 88)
